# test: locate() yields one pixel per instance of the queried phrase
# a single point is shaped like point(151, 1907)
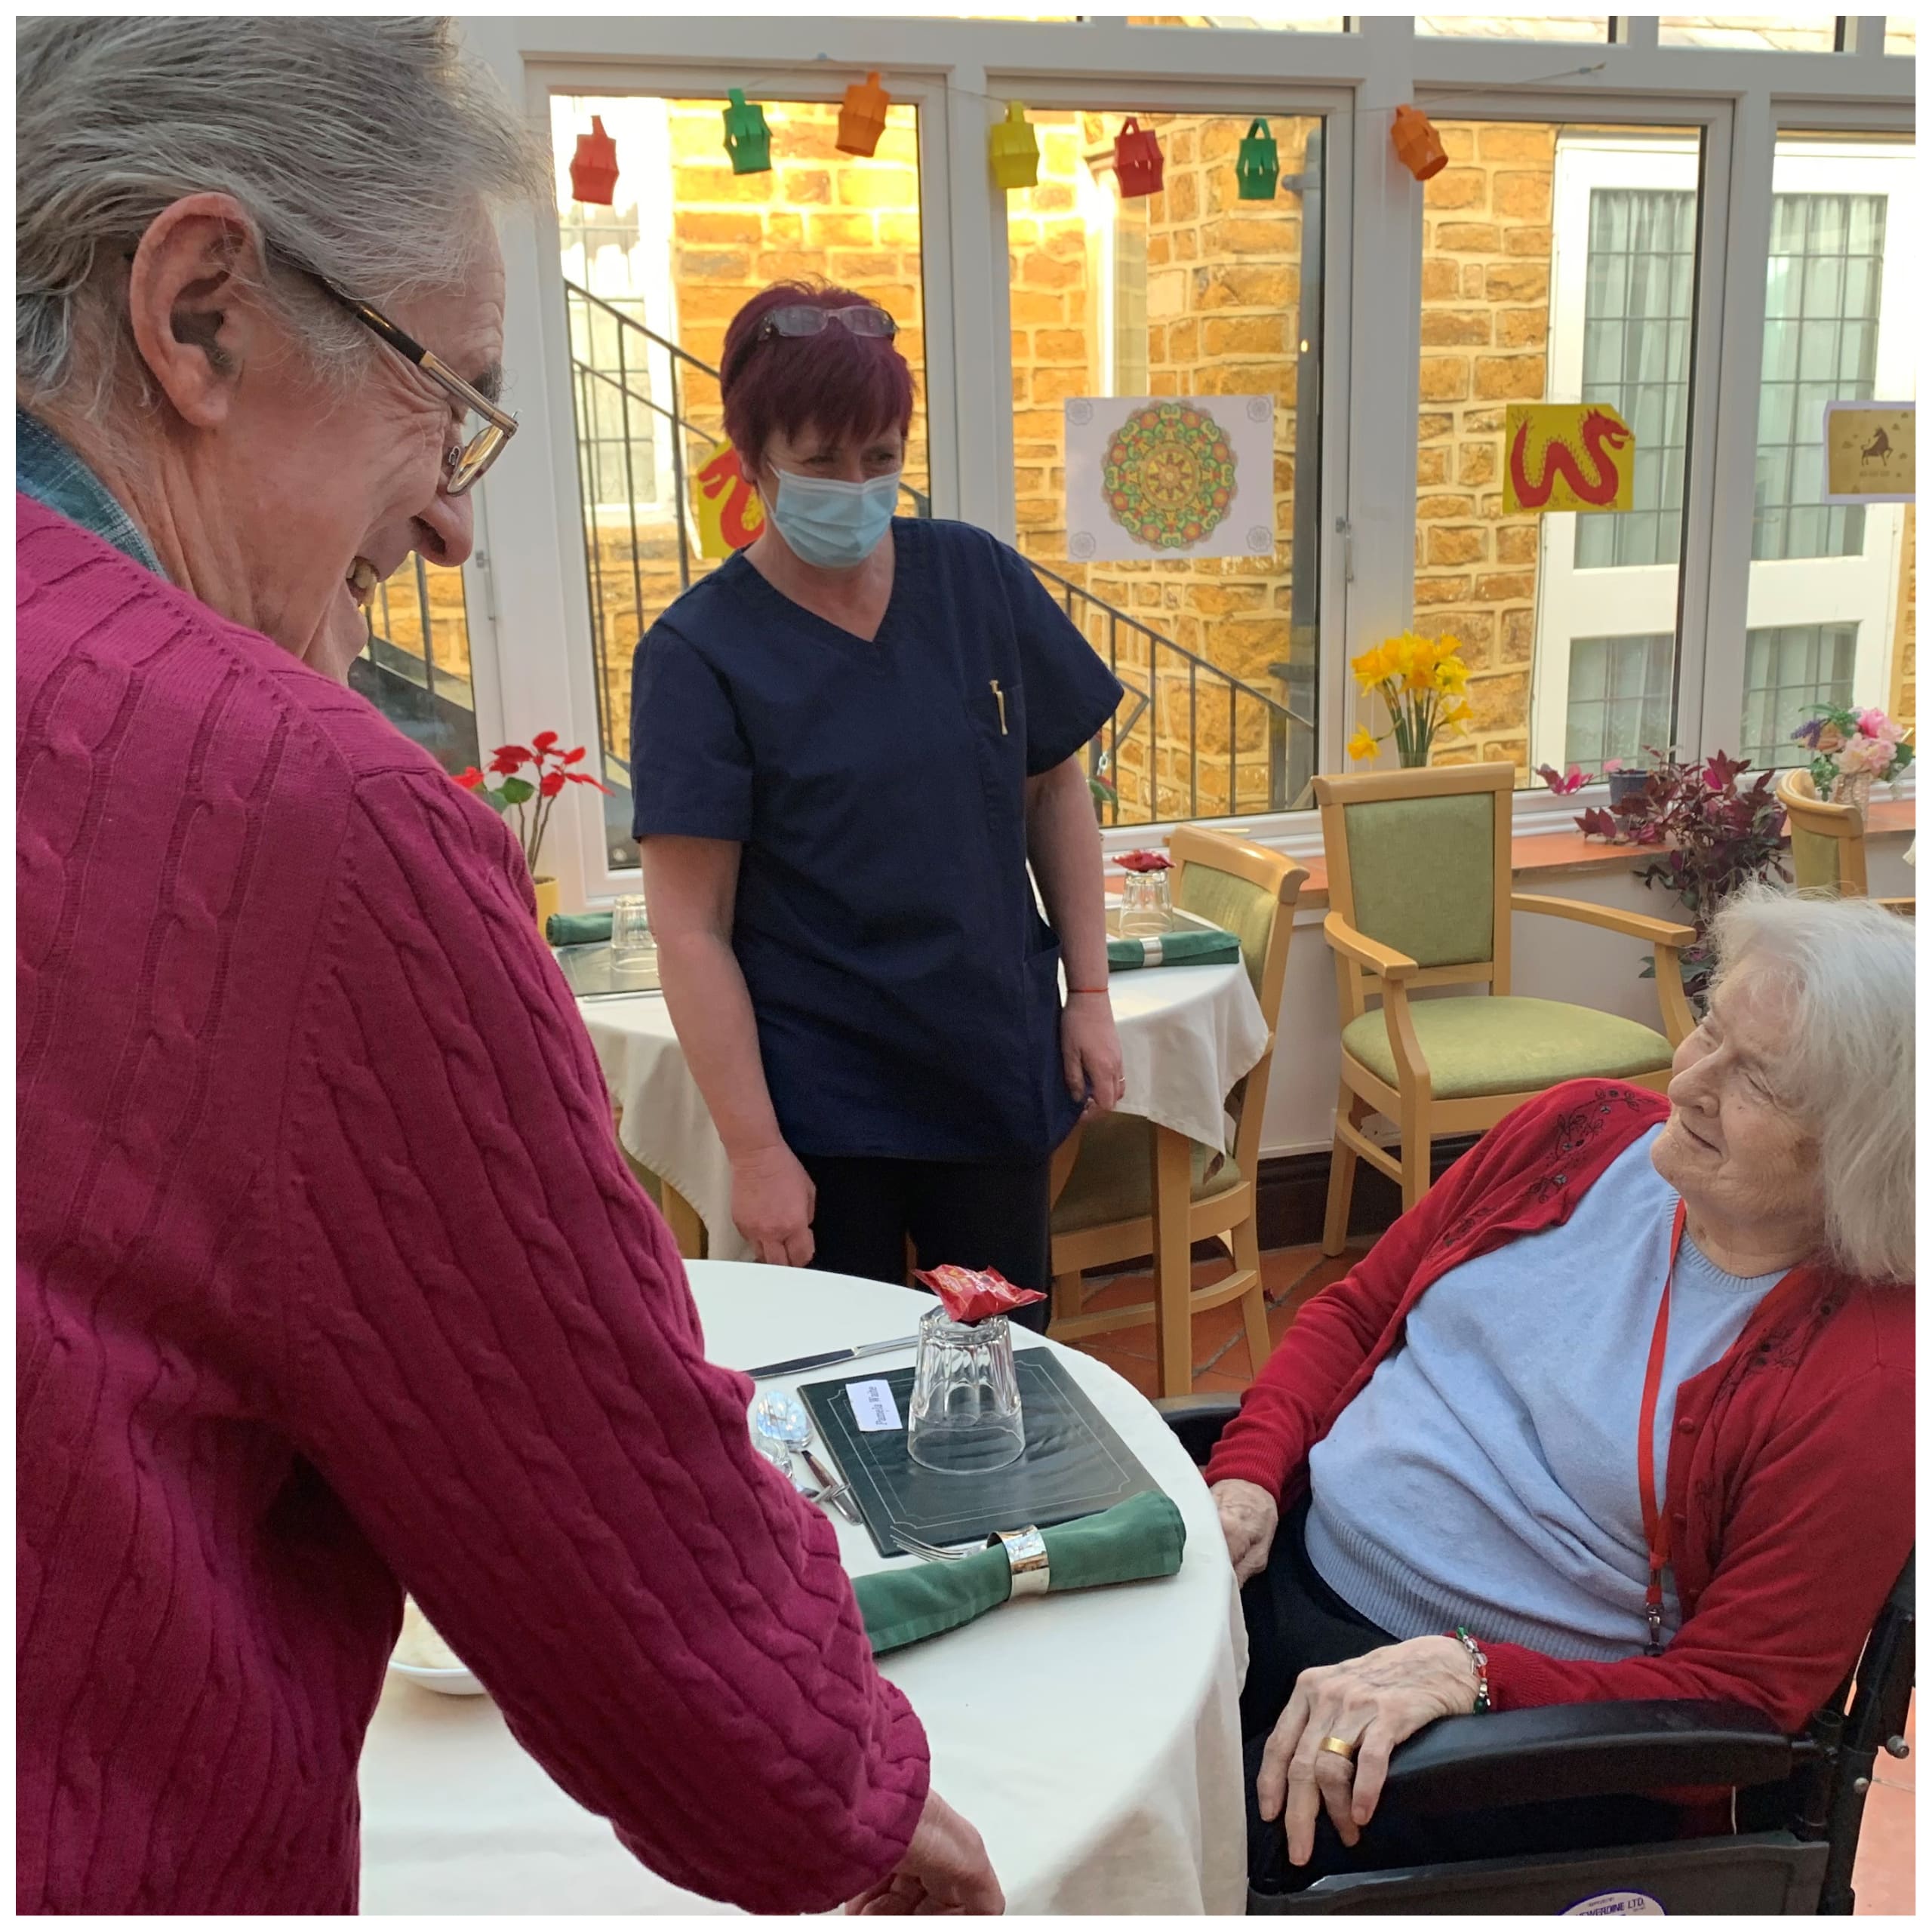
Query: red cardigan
point(332, 1281)
point(1789, 1484)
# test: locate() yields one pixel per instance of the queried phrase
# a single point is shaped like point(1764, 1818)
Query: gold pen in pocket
point(999, 697)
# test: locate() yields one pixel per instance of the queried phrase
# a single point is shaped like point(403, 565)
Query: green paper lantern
point(747, 138)
point(1258, 166)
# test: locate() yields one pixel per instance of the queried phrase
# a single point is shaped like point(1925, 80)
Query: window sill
point(1553, 853)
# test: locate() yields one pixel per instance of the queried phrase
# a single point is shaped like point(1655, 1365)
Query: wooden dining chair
point(1422, 893)
point(1827, 843)
point(1125, 1186)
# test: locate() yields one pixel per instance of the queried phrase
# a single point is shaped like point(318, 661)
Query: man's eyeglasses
point(802, 318)
point(462, 463)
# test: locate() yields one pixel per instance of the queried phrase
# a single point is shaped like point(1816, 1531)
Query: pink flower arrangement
point(1848, 744)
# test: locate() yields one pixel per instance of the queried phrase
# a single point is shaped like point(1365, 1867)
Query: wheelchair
point(1800, 1802)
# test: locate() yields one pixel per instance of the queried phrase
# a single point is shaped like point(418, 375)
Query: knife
point(832, 1490)
point(798, 1364)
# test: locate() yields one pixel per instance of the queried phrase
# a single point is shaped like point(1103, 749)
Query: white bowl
point(450, 1683)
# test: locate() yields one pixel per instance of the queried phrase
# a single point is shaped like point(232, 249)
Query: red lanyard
point(1657, 1524)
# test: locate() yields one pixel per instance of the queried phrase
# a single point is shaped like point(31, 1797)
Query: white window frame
point(958, 71)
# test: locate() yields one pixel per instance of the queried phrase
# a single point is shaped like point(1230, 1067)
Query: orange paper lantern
point(594, 166)
point(1138, 163)
point(862, 117)
point(1418, 146)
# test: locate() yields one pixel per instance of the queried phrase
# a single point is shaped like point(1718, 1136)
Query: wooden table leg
point(682, 1219)
point(1173, 1268)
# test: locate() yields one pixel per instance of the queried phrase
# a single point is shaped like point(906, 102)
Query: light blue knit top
point(1487, 1474)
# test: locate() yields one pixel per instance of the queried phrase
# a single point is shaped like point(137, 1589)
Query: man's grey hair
point(1847, 1067)
point(366, 150)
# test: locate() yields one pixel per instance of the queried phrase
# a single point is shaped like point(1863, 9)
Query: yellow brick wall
point(1902, 699)
point(1485, 324)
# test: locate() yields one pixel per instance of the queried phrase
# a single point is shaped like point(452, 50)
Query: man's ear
point(192, 304)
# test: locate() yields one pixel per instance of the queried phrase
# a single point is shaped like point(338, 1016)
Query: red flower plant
point(549, 774)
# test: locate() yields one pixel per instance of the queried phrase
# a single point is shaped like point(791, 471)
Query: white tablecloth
point(1187, 1034)
point(1093, 1738)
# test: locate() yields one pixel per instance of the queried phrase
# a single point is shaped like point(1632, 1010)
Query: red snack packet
point(971, 1294)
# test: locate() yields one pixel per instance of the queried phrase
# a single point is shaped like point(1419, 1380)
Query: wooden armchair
point(1422, 892)
point(1124, 1186)
point(1828, 843)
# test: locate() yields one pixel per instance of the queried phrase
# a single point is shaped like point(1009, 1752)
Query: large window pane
point(1189, 292)
point(1517, 26)
point(650, 284)
point(1815, 33)
point(415, 667)
point(1559, 266)
point(1830, 609)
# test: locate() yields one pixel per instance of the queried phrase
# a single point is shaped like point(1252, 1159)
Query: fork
point(928, 1552)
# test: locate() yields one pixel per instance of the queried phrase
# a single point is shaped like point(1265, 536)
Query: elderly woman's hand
point(1371, 1703)
point(1248, 1515)
point(1090, 1053)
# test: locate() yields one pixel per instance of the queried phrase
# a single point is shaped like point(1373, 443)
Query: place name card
point(873, 1407)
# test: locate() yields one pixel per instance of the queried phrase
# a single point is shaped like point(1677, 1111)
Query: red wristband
point(1092, 992)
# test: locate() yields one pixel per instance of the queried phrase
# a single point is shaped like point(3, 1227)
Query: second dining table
point(1188, 1033)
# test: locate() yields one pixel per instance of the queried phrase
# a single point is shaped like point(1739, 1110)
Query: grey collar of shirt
point(48, 470)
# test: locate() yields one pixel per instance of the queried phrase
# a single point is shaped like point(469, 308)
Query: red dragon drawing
point(1602, 436)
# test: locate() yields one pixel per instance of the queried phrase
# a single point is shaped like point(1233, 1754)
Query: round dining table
point(1093, 1737)
point(1187, 1035)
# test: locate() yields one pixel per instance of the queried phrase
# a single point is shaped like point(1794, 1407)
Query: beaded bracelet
point(1481, 1663)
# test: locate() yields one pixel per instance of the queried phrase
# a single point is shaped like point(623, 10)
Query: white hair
point(365, 150)
point(1846, 965)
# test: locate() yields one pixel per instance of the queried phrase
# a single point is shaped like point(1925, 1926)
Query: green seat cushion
point(1235, 907)
point(1479, 1046)
point(1814, 859)
point(1113, 1180)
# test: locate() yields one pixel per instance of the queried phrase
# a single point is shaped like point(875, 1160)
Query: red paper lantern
point(1138, 162)
point(1418, 146)
point(594, 166)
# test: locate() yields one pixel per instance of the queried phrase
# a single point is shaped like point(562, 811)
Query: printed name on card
point(873, 1407)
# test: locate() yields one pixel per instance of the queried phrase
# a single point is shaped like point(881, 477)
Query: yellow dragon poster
point(1565, 456)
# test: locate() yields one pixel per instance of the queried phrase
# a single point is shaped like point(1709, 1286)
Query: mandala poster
point(1170, 476)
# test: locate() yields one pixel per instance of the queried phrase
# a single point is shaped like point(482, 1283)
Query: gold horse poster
point(1871, 452)
point(1565, 456)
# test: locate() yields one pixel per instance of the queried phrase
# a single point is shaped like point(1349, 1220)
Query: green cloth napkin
point(1143, 1537)
point(578, 929)
point(1188, 946)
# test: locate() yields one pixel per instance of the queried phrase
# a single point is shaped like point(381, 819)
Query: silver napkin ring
point(1026, 1555)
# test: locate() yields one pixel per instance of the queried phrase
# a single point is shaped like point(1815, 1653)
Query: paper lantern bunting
point(1418, 146)
point(1014, 149)
point(1258, 166)
point(1138, 163)
point(747, 138)
point(861, 116)
point(594, 166)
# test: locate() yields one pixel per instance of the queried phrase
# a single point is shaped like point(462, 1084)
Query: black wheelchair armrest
point(1506, 1757)
point(1198, 1420)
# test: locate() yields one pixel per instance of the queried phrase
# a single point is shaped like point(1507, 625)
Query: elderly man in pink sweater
point(332, 1281)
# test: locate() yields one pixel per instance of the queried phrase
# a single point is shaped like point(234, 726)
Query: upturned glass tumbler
point(965, 1417)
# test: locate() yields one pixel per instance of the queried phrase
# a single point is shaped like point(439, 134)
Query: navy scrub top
point(905, 985)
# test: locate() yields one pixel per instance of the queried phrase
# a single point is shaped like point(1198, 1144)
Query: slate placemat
point(1074, 1464)
point(591, 974)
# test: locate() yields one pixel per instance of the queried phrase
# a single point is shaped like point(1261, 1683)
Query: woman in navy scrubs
point(848, 744)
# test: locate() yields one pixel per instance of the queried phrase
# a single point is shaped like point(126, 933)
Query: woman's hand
point(773, 1200)
point(1373, 1703)
point(1089, 1052)
point(1248, 1517)
point(945, 1870)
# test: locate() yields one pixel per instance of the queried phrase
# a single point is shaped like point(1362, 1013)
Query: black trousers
point(1296, 1622)
point(973, 1214)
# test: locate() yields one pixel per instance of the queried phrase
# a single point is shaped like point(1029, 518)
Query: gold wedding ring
point(1340, 1746)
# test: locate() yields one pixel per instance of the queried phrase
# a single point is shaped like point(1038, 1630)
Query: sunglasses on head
point(862, 318)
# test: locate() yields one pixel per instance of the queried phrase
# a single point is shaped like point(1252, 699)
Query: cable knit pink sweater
point(332, 1283)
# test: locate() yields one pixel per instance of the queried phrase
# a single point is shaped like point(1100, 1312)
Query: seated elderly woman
point(1623, 1409)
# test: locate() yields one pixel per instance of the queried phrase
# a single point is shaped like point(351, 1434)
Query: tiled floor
point(1883, 1878)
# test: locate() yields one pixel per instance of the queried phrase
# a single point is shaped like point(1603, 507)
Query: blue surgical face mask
point(834, 525)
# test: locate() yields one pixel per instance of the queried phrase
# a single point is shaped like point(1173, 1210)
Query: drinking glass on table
point(631, 942)
point(965, 1415)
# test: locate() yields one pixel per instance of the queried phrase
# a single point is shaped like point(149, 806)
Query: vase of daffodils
point(1420, 681)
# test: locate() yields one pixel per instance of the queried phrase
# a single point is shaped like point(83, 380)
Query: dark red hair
point(837, 382)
